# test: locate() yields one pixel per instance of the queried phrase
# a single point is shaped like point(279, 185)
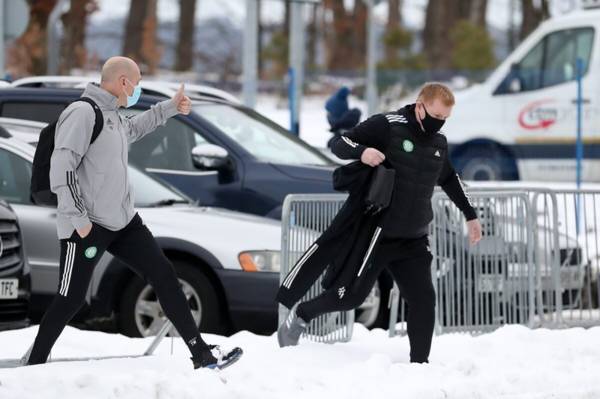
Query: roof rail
point(152, 87)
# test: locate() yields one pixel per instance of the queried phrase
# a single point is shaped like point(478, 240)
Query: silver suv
point(227, 262)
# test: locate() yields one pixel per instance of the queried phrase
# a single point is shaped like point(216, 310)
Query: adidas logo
point(341, 292)
point(110, 123)
point(437, 153)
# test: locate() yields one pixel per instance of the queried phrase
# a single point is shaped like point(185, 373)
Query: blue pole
point(292, 101)
point(579, 143)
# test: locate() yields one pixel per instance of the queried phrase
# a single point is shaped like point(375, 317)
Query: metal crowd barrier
point(304, 218)
point(568, 223)
point(538, 263)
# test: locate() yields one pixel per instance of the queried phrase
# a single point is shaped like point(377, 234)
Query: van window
point(530, 68)
point(562, 50)
point(552, 61)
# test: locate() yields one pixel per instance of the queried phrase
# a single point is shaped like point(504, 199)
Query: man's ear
point(419, 107)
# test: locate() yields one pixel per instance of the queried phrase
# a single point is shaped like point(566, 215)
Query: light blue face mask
point(135, 96)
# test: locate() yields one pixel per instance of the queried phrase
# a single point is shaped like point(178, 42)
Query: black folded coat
point(347, 245)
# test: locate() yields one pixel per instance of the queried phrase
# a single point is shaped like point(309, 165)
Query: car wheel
point(140, 313)
point(481, 163)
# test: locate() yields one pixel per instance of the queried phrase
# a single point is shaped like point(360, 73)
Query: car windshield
point(149, 192)
point(262, 138)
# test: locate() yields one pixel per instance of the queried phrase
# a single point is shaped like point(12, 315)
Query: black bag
point(380, 190)
point(40, 173)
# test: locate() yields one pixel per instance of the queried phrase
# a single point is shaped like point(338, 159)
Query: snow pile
point(513, 362)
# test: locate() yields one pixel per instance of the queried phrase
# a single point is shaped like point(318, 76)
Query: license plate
point(9, 288)
point(490, 283)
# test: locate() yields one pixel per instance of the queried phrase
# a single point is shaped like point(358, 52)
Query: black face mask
point(430, 124)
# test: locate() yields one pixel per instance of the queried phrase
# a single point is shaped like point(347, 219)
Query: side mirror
point(514, 84)
point(210, 156)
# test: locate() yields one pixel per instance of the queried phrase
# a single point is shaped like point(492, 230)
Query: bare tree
point(394, 14)
point(477, 12)
point(393, 25)
point(185, 44)
point(440, 17)
point(29, 54)
point(473, 11)
point(359, 28)
point(133, 28)
point(340, 36)
point(534, 12)
point(73, 51)
point(140, 34)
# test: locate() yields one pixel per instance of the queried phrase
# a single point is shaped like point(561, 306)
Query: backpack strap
point(99, 123)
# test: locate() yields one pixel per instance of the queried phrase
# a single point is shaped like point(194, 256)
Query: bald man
point(95, 208)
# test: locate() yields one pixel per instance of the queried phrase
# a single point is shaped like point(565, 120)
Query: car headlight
point(260, 261)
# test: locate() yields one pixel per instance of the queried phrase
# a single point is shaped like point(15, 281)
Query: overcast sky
point(272, 10)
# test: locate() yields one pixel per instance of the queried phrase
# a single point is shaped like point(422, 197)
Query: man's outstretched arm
point(140, 125)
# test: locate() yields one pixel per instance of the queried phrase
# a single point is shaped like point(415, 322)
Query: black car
point(222, 154)
point(15, 283)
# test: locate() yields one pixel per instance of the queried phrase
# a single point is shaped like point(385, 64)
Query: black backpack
point(40, 174)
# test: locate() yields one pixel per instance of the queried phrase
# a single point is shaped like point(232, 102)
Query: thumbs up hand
point(183, 102)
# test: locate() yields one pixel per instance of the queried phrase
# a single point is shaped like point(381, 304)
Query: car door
point(38, 224)
point(541, 110)
point(166, 153)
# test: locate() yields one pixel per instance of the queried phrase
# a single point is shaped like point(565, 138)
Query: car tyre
point(139, 307)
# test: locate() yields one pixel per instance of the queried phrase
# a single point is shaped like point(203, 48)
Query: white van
point(521, 123)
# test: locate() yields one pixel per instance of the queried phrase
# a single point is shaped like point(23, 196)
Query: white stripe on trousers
point(69, 258)
point(371, 246)
point(290, 278)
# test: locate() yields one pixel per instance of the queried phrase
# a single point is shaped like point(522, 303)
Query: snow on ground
point(513, 362)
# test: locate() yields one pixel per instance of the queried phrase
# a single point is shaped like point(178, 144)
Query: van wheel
point(481, 163)
point(140, 313)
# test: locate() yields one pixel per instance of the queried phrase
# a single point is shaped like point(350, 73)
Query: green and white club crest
point(91, 252)
point(408, 145)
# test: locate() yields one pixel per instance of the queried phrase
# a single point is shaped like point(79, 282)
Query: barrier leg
point(393, 305)
point(164, 330)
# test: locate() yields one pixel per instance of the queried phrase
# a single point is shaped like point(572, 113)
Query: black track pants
point(136, 247)
point(409, 263)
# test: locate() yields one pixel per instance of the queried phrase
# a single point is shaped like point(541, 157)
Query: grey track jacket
point(91, 181)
